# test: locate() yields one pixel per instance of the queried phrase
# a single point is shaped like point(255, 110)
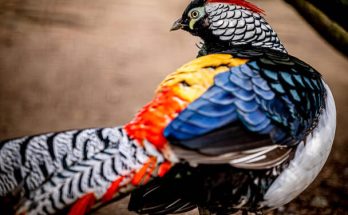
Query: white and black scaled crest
point(239, 26)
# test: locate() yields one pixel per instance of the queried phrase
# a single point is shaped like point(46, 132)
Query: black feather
point(220, 189)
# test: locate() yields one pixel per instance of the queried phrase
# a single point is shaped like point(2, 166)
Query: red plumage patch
point(164, 168)
point(112, 190)
point(242, 3)
point(83, 205)
point(143, 175)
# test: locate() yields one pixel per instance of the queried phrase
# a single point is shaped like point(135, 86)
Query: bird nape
point(243, 127)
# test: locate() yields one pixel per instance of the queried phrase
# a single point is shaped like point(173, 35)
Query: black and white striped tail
point(47, 173)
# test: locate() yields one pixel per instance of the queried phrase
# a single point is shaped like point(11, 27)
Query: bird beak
point(177, 25)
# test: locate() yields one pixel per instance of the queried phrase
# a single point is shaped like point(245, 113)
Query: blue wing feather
point(271, 74)
point(246, 106)
point(278, 87)
point(243, 83)
point(241, 73)
point(282, 103)
point(287, 77)
point(244, 94)
point(215, 110)
point(252, 119)
point(298, 78)
point(263, 94)
point(220, 96)
point(261, 83)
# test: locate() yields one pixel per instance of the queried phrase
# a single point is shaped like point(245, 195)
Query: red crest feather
point(242, 3)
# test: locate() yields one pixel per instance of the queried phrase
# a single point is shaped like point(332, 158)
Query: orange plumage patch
point(83, 205)
point(152, 119)
point(143, 175)
point(242, 3)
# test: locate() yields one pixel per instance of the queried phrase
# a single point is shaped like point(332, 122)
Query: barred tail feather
point(74, 169)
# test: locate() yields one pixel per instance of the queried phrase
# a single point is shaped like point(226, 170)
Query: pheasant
point(243, 127)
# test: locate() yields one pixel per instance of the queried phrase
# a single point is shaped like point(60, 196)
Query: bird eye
point(194, 14)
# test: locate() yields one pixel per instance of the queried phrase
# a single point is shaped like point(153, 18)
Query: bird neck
point(210, 47)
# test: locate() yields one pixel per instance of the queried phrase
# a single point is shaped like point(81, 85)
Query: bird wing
point(251, 113)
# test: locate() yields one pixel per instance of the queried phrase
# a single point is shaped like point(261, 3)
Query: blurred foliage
point(329, 18)
point(337, 10)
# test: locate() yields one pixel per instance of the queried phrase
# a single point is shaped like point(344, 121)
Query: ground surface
point(78, 64)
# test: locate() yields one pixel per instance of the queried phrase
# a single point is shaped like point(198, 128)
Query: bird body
point(245, 126)
point(273, 174)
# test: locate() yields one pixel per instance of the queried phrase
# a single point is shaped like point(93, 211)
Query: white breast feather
point(308, 161)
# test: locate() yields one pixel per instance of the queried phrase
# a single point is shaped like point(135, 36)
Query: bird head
point(194, 19)
point(225, 24)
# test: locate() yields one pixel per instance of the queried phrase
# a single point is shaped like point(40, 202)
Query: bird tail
point(74, 171)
